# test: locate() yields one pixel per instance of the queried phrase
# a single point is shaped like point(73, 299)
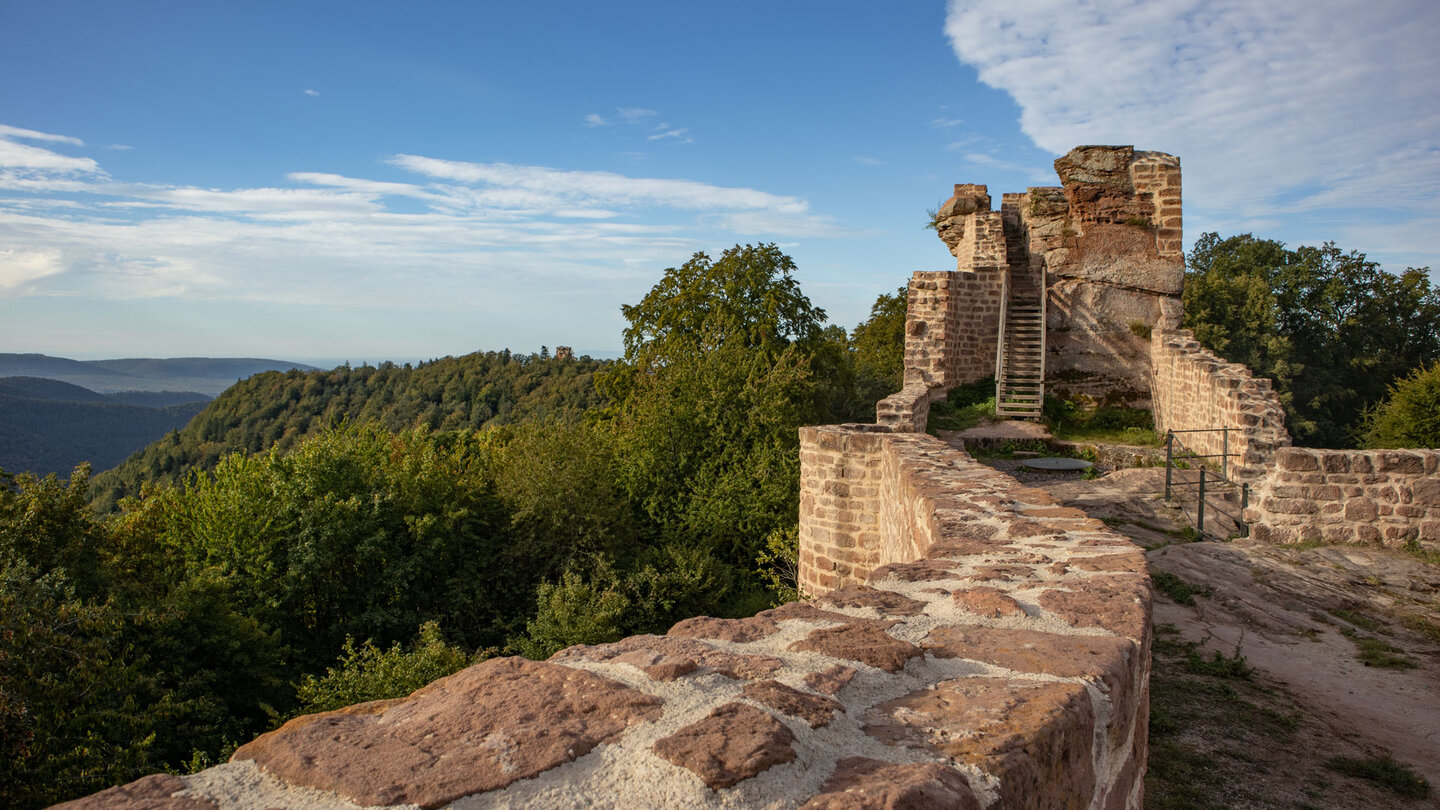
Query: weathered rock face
point(1109, 246)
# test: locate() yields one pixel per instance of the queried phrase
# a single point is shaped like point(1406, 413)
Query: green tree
point(368, 673)
point(1409, 416)
point(1330, 328)
point(879, 344)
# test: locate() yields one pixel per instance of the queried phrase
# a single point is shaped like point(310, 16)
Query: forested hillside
point(207, 375)
point(1332, 329)
point(278, 409)
point(471, 506)
point(48, 426)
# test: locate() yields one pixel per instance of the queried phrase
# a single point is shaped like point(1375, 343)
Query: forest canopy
point(1332, 329)
point(316, 539)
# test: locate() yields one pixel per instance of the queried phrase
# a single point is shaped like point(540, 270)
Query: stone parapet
point(1192, 389)
point(971, 556)
point(1385, 498)
point(907, 410)
point(970, 644)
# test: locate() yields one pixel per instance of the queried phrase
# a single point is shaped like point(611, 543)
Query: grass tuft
point(1178, 590)
point(1384, 771)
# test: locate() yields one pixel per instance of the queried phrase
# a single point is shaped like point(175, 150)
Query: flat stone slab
point(1056, 464)
point(480, 729)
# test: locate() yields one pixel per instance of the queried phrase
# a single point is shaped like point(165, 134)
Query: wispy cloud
point(312, 92)
point(1035, 174)
point(643, 119)
point(947, 123)
point(868, 161)
point(1318, 106)
point(482, 232)
point(677, 134)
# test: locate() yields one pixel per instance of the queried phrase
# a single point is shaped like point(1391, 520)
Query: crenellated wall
point(1387, 498)
point(1192, 389)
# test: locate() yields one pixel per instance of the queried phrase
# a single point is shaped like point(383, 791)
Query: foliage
point(778, 564)
point(718, 376)
point(1078, 419)
point(879, 348)
point(574, 612)
point(368, 673)
point(1180, 591)
point(964, 407)
point(1409, 416)
point(1330, 328)
point(281, 409)
point(1385, 771)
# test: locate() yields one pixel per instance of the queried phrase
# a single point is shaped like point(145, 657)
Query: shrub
point(1410, 414)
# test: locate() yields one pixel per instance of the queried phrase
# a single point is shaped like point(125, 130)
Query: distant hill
point(276, 408)
point(206, 375)
point(49, 426)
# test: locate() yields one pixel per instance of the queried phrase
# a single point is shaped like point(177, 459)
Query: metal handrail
point(1225, 481)
point(1000, 337)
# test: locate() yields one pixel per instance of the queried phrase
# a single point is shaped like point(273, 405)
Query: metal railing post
point(1200, 507)
point(1225, 452)
point(1169, 455)
point(1244, 504)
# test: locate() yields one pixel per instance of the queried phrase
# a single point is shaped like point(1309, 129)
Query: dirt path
point(1258, 683)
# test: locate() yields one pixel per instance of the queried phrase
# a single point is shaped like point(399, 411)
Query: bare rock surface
point(666, 653)
point(480, 729)
point(735, 742)
point(864, 643)
point(1036, 735)
point(153, 792)
point(1292, 613)
point(816, 710)
point(860, 783)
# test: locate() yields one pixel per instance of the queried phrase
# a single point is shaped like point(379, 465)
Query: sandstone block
point(732, 744)
point(738, 666)
point(477, 730)
point(1296, 460)
point(869, 784)
point(864, 643)
point(988, 602)
point(1037, 738)
point(154, 792)
point(813, 709)
point(887, 602)
point(1360, 510)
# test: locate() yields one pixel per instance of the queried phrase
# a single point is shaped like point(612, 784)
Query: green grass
point(1076, 420)
point(1384, 771)
point(1419, 624)
point(1360, 620)
point(964, 407)
point(1179, 591)
point(1374, 652)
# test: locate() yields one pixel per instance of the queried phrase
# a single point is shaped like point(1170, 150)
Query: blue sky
point(403, 181)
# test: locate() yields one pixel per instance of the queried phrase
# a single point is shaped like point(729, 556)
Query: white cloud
point(596, 120)
point(9, 132)
point(22, 158)
point(312, 92)
point(1035, 174)
point(606, 188)
point(18, 268)
point(482, 232)
point(868, 161)
point(1323, 104)
point(946, 123)
point(678, 134)
point(635, 115)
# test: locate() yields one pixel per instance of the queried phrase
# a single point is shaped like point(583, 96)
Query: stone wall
point(979, 568)
point(970, 644)
point(1377, 497)
point(1191, 388)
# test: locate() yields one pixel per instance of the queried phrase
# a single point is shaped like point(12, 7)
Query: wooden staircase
point(1020, 355)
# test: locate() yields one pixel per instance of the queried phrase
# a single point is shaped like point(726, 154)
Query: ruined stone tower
point(1062, 286)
